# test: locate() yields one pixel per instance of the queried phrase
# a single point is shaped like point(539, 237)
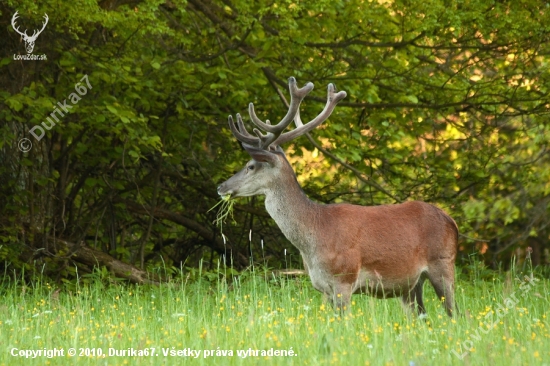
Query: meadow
point(253, 317)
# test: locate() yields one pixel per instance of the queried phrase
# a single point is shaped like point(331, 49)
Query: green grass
point(225, 210)
point(204, 311)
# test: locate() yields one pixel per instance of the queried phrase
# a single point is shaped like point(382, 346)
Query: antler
point(332, 99)
point(35, 34)
point(275, 135)
point(43, 26)
point(17, 28)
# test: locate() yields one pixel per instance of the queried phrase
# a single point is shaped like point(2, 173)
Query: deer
point(385, 251)
point(29, 40)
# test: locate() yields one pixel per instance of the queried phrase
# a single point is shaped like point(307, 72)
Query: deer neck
point(295, 214)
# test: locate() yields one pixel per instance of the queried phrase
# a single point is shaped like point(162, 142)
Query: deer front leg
point(306, 269)
point(341, 297)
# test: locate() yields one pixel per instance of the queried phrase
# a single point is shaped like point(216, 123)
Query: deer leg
point(442, 277)
point(418, 296)
point(341, 297)
point(306, 269)
point(413, 298)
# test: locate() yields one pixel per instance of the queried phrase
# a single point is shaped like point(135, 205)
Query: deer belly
point(374, 284)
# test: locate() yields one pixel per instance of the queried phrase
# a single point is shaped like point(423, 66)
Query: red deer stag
point(385, 250)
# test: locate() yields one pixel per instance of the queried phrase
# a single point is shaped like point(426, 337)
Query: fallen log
point(84, 254)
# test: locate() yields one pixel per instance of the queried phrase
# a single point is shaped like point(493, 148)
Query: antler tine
point(241, 133)
point(44, 26)
point(296, 97)
point(37, 32)
point(332, 99)
point(13, 19)
point(241, 127)
point(266, 139)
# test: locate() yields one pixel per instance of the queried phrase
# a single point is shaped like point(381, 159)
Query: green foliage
point(447, 103)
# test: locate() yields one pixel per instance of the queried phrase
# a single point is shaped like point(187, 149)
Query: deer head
point(269, 167)
point(29, 40)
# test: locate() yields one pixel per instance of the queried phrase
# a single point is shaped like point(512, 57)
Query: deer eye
point(251, 167)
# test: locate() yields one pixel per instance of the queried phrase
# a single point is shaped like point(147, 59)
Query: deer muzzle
point(223, 191)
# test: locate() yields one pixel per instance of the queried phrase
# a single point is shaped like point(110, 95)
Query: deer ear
point(261, 155)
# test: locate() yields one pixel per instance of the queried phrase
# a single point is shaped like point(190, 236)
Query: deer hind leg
point(412, 300)
point(442, 278)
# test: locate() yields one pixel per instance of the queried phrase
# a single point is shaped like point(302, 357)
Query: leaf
point(112, 109)
point(14, 103)
point(5, 61)
point(412, 99)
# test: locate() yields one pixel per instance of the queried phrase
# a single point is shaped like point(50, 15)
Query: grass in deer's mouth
point(225, 210)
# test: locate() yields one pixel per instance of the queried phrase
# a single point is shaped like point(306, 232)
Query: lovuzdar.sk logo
point(29, 40)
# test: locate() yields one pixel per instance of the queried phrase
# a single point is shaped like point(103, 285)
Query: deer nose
point(223, 190)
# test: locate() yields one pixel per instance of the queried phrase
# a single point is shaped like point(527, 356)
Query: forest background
point(448, 102)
